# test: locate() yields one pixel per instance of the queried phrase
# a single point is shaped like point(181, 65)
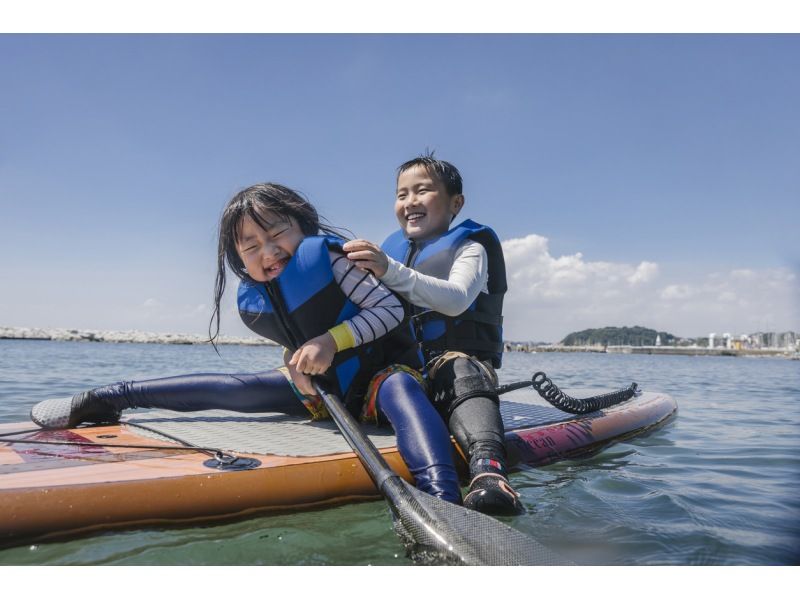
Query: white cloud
point(743, 274)
point(645, 272)
point(676, 291)
point(551, 296)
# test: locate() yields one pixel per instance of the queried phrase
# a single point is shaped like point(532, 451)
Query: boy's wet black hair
point(444, 171)
point(258, 202)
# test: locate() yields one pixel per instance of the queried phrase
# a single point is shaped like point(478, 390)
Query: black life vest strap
point(481, 345)
point(483, 318)
point(467, 316)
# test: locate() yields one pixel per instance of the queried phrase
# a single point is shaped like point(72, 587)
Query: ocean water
point(718, 485)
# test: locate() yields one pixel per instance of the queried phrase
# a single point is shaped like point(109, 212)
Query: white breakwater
point(122, 336)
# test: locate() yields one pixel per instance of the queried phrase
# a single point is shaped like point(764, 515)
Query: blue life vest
point(479, 330)
point(305, 301)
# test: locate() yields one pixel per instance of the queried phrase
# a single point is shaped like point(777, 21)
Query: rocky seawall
point(124, 336)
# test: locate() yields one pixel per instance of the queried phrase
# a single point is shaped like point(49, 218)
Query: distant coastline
point(654, 350)
point(172, 338)
point(647, 341)
point(125, 336)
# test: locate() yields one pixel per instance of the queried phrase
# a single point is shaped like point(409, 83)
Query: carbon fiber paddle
point(435, 531)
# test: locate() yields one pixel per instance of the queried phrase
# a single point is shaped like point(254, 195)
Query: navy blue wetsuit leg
point(422, 437)
point(247, 393)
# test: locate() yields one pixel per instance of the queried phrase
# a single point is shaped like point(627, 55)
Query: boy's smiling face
point(423, 207)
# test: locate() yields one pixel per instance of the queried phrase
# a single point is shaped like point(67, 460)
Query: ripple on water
point(719, 485)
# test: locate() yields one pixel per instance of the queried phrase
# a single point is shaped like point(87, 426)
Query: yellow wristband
point(343, 337)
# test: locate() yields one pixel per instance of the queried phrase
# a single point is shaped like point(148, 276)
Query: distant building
point(757, 340)
point(743, 342)
point(787, 339)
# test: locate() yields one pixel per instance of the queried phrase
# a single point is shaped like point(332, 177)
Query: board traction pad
point(279, 434)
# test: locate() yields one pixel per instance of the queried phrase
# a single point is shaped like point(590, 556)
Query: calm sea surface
point(718, 485)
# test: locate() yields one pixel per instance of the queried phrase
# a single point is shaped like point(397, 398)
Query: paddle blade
point(437, 532)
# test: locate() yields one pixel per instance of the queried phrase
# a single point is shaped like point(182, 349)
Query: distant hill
point(635, 336)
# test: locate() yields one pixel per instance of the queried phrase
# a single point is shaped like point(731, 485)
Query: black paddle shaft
point(376, 466)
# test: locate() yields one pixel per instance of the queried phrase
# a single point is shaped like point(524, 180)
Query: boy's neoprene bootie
point(84, 407)
point(489, 491)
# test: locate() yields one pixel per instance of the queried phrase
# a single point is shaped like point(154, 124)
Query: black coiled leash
point(561, 400)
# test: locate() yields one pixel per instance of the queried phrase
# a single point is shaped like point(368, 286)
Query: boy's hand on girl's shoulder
point(315, 356)
point(367, 256)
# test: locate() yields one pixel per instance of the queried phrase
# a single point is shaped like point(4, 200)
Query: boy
point(455, 280)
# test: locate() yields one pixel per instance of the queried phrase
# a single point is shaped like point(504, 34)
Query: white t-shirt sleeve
point(467, 279)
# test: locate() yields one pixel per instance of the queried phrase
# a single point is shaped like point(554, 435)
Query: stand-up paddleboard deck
point(54, 490)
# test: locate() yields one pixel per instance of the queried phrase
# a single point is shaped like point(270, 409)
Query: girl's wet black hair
point(259, 202)
point(444, 171)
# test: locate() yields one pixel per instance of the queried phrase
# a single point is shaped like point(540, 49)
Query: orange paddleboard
point(59, 483)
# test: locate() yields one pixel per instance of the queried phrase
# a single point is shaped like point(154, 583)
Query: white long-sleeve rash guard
point(467, 279)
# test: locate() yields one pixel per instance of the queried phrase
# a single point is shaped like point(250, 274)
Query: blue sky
point(636, 179)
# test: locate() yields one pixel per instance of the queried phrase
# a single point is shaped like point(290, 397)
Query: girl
point(334, 321)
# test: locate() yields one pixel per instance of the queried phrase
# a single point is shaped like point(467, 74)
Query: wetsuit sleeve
point(380, 310)
point(467, 278)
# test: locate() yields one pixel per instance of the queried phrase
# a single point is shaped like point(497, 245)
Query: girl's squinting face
point(265, 252)
point(422, 205)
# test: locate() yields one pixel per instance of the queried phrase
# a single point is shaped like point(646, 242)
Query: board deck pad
point(279, 434)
